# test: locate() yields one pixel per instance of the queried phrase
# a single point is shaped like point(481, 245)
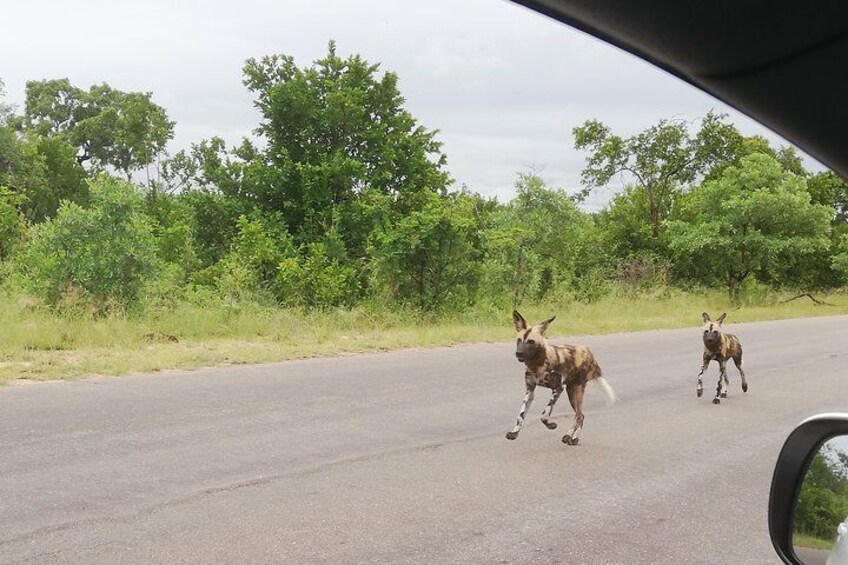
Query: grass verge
point(803, 540)
point(36, 344)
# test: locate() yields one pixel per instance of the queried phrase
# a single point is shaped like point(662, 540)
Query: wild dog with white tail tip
point(556, 367)
point(720, 346)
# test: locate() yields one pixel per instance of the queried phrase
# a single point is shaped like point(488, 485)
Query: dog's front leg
point(546, 415)
point(528, 399)
point(700, 389)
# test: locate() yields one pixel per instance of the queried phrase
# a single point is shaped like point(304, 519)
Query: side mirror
point(808, 504)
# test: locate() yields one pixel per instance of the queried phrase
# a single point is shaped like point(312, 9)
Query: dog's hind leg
point(528, 399)
point(722, 377)
point(738, 361)
point(575, 396)
point(550, 407)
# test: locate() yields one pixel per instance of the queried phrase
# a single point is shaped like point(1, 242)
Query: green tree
point(334, 132)
point(755, 218)
point(839, 258)
point(12, 226)
point(428, 258)
point(175, 229)
point(659, 160)
point(110, 128)
point(101, 256)
point(43, 171)
point(739, 147)
point(829, 189)
point(535, 244)
point(321, 276)
point(214, 223)
point(823, 499)
point(251, 266)
point(626, 225)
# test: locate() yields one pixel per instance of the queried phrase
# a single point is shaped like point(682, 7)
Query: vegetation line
point(337, 228)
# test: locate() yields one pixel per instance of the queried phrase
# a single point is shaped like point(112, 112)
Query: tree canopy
point(109, 128)
point(343, 198)
point(755, 218)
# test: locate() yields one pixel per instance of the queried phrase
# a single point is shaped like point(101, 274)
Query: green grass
point(36, 344)
point(803, 540)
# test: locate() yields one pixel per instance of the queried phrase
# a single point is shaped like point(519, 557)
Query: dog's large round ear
point(705, 316)
point(544, 325)
point(519, 321)
point(721, 318)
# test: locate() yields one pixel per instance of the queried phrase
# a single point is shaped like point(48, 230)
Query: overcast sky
point(504, 85)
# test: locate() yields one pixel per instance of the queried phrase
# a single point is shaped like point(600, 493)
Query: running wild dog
point(555, 367)
point(720, 346)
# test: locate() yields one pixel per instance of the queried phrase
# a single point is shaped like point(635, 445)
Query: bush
point(98, 257)
point(11, 222)
point(320, 279)
point(428, 259)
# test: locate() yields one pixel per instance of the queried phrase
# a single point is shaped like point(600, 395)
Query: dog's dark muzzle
point(711, 340)
point(520, 357)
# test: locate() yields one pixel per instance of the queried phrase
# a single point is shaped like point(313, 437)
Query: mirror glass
point(820, 529)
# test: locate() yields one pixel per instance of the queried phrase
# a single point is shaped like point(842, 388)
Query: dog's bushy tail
point(609, 393)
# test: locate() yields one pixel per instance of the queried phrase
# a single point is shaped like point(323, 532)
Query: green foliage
point(322, 277)
point(738, 147)
point(334, 131)
point(626, 225)
point(175, 229)
point(428, 258)
point(537, 244)
point(98, 257)
point(660, 159)
point(12, 227)
point(250, 267)
point(123, 130)
point(839, 260)
point(823, 500)
point(755, 218)
point(829, 189)
point(344, 200)
point(42, 170)
point(214, 221)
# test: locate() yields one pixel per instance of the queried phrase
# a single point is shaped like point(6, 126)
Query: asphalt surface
point(810, 556)
point(401, 458)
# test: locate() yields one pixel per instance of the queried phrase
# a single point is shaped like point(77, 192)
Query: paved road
point(810, 556)
point(401, 458)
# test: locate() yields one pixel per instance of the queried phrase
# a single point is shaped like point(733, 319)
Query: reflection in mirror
point(820, 528)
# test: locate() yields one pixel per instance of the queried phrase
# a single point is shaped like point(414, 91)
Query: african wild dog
point(555, 367)
point(720, 346)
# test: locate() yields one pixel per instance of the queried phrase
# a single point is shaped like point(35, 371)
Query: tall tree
point(110, 128)
point(660, 159)
point(334, 131)
point(755, 218)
